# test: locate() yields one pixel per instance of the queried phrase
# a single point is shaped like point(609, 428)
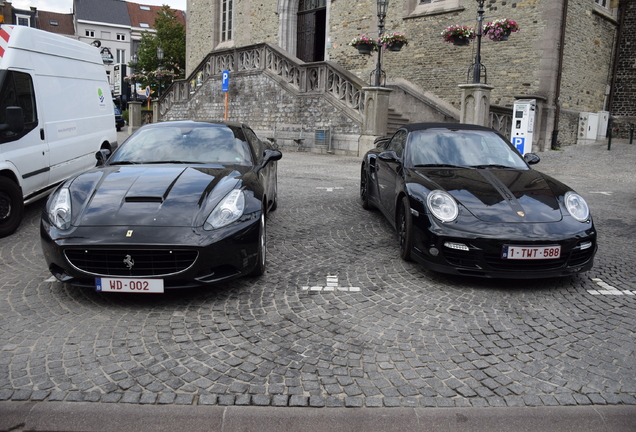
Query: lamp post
point(133, 62)
point(159, 61)
point(382, 8)
point(477, 66)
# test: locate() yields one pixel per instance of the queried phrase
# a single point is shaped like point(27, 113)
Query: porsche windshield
point(463, 148)
point(185, 144)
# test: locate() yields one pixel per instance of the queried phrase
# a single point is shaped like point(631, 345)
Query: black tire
point(275, 200)
point(404, 225)
point(261, 259)
point(364, 189)
point(11, 206)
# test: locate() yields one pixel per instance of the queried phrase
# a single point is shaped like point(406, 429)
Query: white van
point(56, 112)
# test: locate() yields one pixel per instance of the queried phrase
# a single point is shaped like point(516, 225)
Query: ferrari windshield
point(462, 148)
point(185, 144)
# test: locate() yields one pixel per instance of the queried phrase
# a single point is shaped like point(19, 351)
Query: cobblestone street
point(339, 320)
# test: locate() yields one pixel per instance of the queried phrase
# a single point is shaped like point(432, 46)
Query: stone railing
point(341, 86)
point(501, 119)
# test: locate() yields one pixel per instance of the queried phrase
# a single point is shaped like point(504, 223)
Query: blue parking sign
point(519, 143)
point(226, 81)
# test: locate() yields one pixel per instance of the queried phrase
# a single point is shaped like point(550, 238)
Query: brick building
point(566, 54)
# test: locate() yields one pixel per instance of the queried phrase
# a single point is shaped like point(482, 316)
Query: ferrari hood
point(156, 195)
point(499, 195)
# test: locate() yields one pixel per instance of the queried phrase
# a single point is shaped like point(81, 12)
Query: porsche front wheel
point(405, 229)
point(364, 189)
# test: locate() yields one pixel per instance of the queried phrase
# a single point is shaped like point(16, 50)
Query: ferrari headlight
point(227, 211)
point(442, 205)
point(60, 209)
point(576, 205)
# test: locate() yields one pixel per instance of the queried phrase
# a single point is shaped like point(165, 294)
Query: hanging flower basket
point(459, 35)
point(393, 41)
point(499, 30)
point(364, 44)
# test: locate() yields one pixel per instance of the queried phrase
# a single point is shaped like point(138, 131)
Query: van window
point(17, 90)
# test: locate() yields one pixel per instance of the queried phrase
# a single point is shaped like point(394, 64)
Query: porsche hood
point(508, 196)
point(149, 195)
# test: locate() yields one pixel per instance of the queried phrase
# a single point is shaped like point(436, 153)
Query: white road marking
point(603, 193)
point(608, 289)
point(330, 189)
point(332, 285)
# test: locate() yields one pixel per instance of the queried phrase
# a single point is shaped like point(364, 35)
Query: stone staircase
point(395, 121)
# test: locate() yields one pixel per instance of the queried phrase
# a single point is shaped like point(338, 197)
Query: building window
point(90, 33)
point(604, 3)
point(121, 37)
point(226, 20)
point(23, 20)
point(146, 8)
point(121, 56)
point(53, 23)
point(144, 25)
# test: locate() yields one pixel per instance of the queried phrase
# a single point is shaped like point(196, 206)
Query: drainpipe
point(557, 93)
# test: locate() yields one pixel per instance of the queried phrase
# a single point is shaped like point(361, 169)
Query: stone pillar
point(376, 117)
point(134, 116)
point(475, 104)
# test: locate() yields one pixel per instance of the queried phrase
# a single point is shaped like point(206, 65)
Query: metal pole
point(480, 19)
point(378, 66)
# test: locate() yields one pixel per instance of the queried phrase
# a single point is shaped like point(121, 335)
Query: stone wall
point(274, 112)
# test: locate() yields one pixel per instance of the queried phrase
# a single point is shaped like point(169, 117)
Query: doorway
point(311, 30)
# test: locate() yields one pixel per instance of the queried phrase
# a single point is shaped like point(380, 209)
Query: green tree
point(170, 36)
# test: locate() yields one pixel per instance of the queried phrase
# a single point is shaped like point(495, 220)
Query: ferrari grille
point(131, 262)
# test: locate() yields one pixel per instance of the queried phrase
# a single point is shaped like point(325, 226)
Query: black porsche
point(465, 202)
point(178, 204)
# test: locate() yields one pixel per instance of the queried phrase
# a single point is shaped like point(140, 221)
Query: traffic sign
point(226, 81)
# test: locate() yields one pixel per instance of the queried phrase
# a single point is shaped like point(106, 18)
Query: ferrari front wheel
point(261, 257)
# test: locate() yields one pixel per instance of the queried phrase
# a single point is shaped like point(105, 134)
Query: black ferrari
point(177, 205)
point(465, 202)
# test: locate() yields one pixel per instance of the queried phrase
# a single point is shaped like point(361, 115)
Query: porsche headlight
point(227, 211)
point(442, 205)
point(576, 205)
point(60, 209)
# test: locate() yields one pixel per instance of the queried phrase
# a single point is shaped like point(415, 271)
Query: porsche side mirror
point(102, 156)
point(389, 156)
point(531, 158)
point(380, 143)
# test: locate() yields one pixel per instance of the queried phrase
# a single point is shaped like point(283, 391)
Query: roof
point(55, 22)
point(102, 11)
point(146, 14)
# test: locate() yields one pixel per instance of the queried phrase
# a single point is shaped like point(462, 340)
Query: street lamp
point(477, 66)
point(159, 61)
point(133, 62)
point(383, 5)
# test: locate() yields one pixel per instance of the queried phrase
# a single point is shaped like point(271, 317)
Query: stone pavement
point(338, 320)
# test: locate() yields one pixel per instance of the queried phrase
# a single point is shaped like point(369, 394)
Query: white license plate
point(531, 252)
point(127, 285)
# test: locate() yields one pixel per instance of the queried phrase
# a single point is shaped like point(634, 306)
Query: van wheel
point(11, 206)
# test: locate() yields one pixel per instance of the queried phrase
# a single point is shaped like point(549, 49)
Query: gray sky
point(66, 6)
